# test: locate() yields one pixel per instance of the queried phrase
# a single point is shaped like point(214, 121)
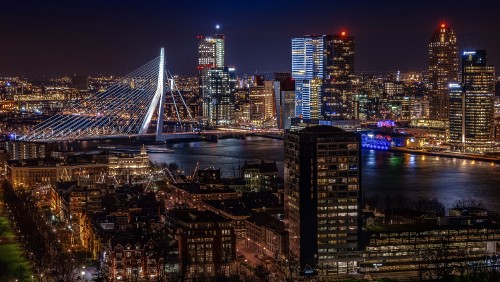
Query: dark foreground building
point(323, 198)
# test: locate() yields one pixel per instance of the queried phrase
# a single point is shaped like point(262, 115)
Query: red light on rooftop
point(443, 25)
point(343, 33)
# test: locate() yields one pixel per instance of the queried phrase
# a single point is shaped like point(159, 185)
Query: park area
point(13, 265)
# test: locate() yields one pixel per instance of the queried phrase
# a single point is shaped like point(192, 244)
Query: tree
point(261, 273)
point(430, 205)
point(468, 203)
point(401, 201)
point(3, 227)
point(21, 273)
point(287, 268)
point(4, 269)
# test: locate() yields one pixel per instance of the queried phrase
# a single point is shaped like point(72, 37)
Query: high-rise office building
point(210, 55)
point(221, 88)
point(284, 96)
point(261, 102)
point(323, 197)
point(308, 63)
point(211, 51)
point(338, 91)
point(471, 121)
point(443, 69)
point(456, 129)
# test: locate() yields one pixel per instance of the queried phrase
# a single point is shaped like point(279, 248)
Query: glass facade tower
point(308, 63)
point(471, 113)
point(210, 55)
point(221, 88)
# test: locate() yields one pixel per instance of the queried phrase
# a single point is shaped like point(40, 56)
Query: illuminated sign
point(469, 52)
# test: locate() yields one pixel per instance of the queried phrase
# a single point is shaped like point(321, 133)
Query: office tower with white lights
point(323, 198)
point(308, 67)
point(443, 70)
point(210, 55)
point(471, 120)
point(338, 93)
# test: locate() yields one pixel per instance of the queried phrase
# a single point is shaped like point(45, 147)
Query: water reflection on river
point(384, 173)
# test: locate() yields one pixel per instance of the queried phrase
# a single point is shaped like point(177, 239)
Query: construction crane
point(174, 180)
point(192, 177)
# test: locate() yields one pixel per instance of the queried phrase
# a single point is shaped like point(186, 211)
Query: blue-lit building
point(383, 139)
point(308, 70)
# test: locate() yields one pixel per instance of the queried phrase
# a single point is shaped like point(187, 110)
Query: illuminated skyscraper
point(261, 102)
point(443, 69)
point(221, 88)
point(456, 131)
point(211, 51)
point(308, 63)
point(338, 88)
point(471, 105)
point(210, 55)
point(323, 197)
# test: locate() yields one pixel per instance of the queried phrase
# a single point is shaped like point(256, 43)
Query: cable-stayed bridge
point(125, 109)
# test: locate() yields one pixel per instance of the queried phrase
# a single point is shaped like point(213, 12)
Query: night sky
point(114, 37)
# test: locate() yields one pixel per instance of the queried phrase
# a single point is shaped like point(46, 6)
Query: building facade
point(221, 92)
point(130, 168)
point(266, 234)
point(471, 120)
point(443, 69)
point(308, 63)
point(323, 198)
point(284, 96)
point(207, 242)
point(261, 103)
point(210, 55)
point(27, 175)
point(416, 249)
point(338, 93)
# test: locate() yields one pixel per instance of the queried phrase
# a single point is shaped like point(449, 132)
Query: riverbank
point(447, 155)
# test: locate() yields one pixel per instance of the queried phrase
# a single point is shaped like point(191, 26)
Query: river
point(384, 173)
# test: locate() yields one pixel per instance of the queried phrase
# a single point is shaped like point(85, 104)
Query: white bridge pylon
point(126, 108)
point(159, 96)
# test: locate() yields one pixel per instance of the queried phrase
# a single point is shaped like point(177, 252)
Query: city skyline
point(112, 38)
point(265, 141)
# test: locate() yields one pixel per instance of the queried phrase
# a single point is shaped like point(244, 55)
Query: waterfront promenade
point(447, 154)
